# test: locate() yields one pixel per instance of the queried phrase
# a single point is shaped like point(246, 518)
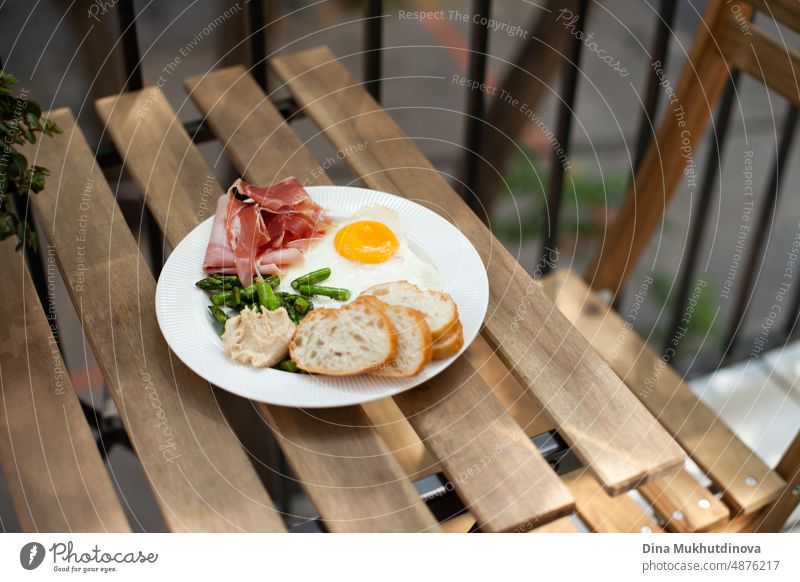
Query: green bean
point(312, 278)
point(332, 292)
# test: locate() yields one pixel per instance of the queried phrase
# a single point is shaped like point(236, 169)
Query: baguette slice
point(449, 345)
point(439, 309)
point(342, 342)
point(414, 342)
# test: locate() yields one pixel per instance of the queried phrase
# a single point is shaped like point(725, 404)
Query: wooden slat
point(561, 525)
point(57, 479)
point(401, 439)
point(678, 499)
point(495, 468)
point(683, 504)
point(406, 445)
point(604, 514)
point(785, 11)
point(742, 523)
point(548, 356)
point(520, 404)
point(771, 62)
point(699, 87)
point(352, 478)
point(349, 474)
point(461, 427)
point(775, 515)
point(201, 477)
point(460, 524)
point(713, 446)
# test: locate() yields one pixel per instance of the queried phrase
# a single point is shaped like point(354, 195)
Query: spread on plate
point(258, 337)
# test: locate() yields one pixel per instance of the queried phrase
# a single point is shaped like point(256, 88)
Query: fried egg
point(366, 249)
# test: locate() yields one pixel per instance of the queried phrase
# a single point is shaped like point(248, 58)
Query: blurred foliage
point(20, 120)
point(586, 201)
point(589, 204)
point(702, 322)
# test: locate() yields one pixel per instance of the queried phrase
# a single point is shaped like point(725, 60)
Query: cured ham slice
point(258, 230)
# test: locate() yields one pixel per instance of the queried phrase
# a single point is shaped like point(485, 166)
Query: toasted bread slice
point(449, 346)
point(414, 342)
point(439, 309)
point(341, 342)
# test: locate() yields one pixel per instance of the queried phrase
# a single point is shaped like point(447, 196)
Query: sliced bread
point(414, 342)
point(341, 342)
point(439, 309)
point(449, 345)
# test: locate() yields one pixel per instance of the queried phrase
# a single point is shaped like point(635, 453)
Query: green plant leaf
point(32, 108)
point(20, 120)
point(33, 121)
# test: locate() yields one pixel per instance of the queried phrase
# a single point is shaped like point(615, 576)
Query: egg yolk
point(366, 241)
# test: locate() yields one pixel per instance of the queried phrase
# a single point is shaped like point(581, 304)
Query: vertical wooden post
point(685, 119)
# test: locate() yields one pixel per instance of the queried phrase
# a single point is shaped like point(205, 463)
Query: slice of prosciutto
point(259, 230)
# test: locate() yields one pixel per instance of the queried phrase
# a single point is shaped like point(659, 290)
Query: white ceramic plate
point(187, 326)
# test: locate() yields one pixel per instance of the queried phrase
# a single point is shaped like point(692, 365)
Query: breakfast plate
point(182, 308)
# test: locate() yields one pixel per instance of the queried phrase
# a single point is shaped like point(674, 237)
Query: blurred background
point(69, 54)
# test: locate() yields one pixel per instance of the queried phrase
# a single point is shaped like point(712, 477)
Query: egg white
point(355, 276)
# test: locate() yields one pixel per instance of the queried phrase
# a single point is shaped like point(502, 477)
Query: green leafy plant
point(583, 209)
point(20, 121)
point(702, 332)
point(585, 212)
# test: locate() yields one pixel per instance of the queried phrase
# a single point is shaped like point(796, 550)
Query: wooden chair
point(355, 463)
point(727, 40)
point(745, 494)
point(528, 372)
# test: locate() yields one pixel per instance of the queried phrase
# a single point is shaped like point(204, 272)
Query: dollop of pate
point(259, 338)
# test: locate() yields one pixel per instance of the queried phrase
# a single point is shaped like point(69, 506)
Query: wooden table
point(530, 371)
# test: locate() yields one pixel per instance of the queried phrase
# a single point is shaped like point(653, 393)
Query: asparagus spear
point(272, 280)
point(266, 295)
point(288, 366)
point(290, 310)
point(332, 292)
point(209, 284)
point(286, 297)
point(218, 281)
point(301, 304)
point(219, 315)
point(230, 298)
point(312, 278)
point(249, 293)
point(226, 282)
